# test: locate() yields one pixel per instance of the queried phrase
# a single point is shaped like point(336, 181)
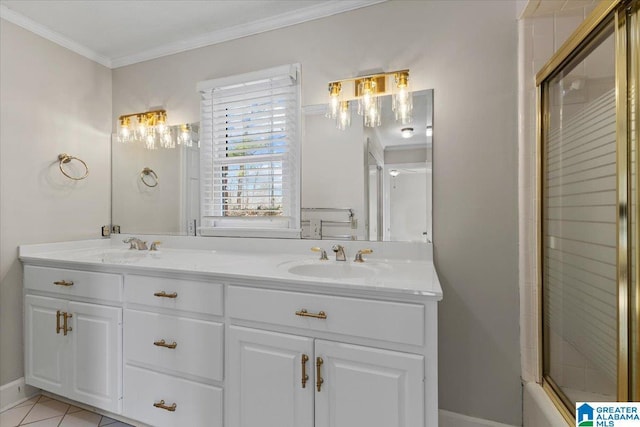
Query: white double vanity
point(235, 332)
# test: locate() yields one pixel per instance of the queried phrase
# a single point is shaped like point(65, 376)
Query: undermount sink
point(332, 270)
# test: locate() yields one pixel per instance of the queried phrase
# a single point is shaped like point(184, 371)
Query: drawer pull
point(161, 405)
point(63, 283)
point(58, 327)
point(305, 313)
point(65, 317)
point(319, 379)
point(162, 343)
point(305, 377)
point(163, 294)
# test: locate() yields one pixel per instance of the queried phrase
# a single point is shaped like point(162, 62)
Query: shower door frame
point(624, 15)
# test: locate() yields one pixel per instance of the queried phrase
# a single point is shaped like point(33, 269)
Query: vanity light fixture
point(394, 172)
point(406, 132)
point(367, 91)
point(150, 128)
point(429, 131)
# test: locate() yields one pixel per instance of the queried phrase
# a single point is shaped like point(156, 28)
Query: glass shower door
point(579, 225)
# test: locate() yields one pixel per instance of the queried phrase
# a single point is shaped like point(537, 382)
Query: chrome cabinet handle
point(162, 343)
point(163, 294)
point(305, 377)
point(319, 379)
point(161, 405)
point(305, 313)
point(63, 283)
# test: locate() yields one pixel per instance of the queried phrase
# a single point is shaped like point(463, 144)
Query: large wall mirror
point(357, 184)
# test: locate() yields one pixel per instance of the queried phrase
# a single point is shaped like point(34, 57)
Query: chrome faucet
point(136, 243)
point(339, 250)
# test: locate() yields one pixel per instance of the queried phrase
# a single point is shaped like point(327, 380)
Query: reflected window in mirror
point(249, 157)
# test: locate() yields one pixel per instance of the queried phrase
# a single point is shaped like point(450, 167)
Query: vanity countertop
point(379, 273)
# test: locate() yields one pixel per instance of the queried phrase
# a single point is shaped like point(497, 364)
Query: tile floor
point(43, 411)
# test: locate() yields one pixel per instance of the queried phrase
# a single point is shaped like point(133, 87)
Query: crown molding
point(45, 32)
point(267, 24)
point(263, 25)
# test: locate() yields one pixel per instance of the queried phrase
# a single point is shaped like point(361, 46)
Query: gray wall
point(51, 101)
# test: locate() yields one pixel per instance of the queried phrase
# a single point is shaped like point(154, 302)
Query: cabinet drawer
point(381, 320)
point(190, 295)
point(196, 404)
point(198, 350)
point(100, 286)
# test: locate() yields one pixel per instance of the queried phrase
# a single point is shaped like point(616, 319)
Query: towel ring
point(65, 158)
point(149, 172)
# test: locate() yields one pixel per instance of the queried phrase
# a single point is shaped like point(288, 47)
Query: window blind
point(250, 150)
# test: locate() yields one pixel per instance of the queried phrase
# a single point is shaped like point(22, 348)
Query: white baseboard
point(15, 392)
point(453, 419)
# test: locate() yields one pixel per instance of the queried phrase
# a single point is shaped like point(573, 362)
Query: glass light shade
point(161, 123)
point(333, 108)
point(186, 136)
point(407, 132)
point(166, 139)
point(402, 99)
point(394, 172)
point(343, 120)
point(372, 114)
point(150, 141)
point(142, 129)
point(367, 95)
point(124, 132)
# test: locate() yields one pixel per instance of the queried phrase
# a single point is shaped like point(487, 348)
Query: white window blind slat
point(250, 144)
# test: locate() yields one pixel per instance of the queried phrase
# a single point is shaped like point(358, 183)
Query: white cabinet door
point(370, 387)
point(264, 387)
point(95, 352)
point(45, 362)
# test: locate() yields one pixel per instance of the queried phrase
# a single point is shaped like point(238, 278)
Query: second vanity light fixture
point(151, 128)
point(367, 93)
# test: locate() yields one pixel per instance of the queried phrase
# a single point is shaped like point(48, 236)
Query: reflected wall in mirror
point(361, 183)
point(156, 191)
point(368, 183)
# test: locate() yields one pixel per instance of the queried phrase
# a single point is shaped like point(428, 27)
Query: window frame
point(287, 226)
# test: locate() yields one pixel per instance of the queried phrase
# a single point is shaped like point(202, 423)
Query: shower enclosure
point(587, 133)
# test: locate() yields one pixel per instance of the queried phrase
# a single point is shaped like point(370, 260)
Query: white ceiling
point(117, 33)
